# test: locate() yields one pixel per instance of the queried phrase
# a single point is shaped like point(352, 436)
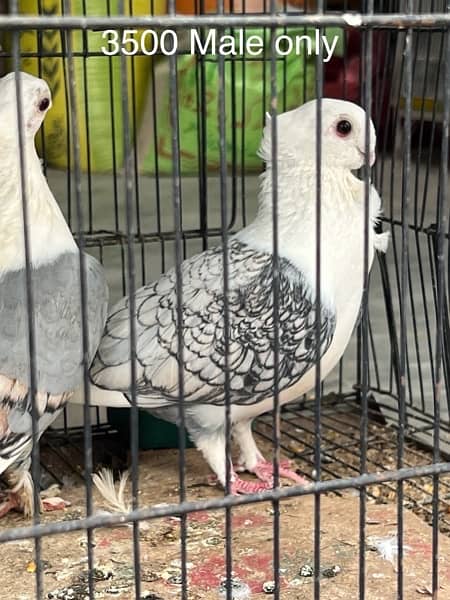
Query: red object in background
point(342, 77)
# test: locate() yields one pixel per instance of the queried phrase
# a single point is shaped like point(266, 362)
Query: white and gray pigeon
point(251, 304)
point(55, 275)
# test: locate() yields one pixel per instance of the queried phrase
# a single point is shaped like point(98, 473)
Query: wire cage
point(152, 158)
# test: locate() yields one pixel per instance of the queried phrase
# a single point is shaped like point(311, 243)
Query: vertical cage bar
point(176, 197)
point(276, 422)
point(442, 229)
point(317, 309)
point(83, 292)
point(364, 327)
point(131, 281)
point(31, 337)
point(226, 311)
point(404, 287)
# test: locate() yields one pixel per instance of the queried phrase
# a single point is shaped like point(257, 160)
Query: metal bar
point(74, 127)
point(276, 420)
point(404, 291)
point(226, 310)
point(317, 312)
point(183, 508)
point(131, 288)
point(29, 298)
point(442, 225)
point(352, 20)
point(177, 209)
point(364, 327)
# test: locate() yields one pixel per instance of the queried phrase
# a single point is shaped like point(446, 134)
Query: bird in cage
point(50, 360)
point(239, 367)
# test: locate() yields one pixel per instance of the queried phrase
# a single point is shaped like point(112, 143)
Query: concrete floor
point(99, 194)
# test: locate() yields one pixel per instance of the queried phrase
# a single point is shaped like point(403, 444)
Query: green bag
point(247, 92)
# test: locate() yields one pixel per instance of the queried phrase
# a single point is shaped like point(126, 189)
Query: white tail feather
point(115, 499)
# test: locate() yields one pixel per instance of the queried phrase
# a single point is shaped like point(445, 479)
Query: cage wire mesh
point(152, 160)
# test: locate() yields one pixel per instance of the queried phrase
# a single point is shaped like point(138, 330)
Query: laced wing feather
point(251, 334)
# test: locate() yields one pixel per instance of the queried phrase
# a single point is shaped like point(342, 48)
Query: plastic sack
point(247, 98)
point(97, 85)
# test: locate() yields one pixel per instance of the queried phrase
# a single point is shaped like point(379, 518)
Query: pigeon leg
point(253, 461)
point(213, 449)
point(249, 456)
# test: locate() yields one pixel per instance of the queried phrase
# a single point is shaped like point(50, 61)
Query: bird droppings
point(149, 576)
point(113, 590)
point(252, 548)
point(77, 592)
point(269, 587)
point(331, 571)
point(96, 574)
point(306, 571)
point(239, 589)
point(213, 541)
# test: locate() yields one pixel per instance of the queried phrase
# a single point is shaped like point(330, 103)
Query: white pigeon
point(251, 304)
point(55, 276)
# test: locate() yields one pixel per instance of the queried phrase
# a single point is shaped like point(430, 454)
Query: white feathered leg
point(213, 449)
point(249, 454)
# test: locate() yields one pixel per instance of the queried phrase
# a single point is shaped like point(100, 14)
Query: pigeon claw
point(12, 503)
point(241, 486)
point(264, 471)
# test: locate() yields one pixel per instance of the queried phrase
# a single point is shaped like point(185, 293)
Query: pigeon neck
point(48, 233)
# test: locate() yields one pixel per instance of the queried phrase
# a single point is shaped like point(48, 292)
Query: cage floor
point(65, 560)
point(64, 557)
point(341, 452)
point(342, 447)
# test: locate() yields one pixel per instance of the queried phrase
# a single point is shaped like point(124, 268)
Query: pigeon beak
point(372, 156)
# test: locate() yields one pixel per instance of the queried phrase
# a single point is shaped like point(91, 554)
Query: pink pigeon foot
point(241, 486)
point(264, 471)
point(12, 503)
point(54, 503)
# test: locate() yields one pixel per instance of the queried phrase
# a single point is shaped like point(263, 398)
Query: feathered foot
point(264, 471)
point(21, 496)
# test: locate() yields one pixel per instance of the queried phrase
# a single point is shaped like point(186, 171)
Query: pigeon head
point(343, 135)
point(35, 102)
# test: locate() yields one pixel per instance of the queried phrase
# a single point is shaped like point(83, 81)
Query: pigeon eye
point(343, 127)
point(44, 104)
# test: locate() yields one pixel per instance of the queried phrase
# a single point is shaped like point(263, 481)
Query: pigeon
point(251, 350)
point(55, 281)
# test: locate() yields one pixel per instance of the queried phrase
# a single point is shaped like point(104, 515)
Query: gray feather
point(251, 332)
point(58, 343)
point(57, 320)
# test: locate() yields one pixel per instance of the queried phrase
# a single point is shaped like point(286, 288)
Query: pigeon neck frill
point(48, 233)
point(342, 213)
